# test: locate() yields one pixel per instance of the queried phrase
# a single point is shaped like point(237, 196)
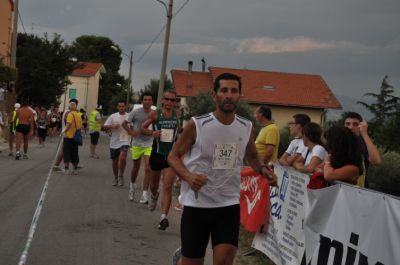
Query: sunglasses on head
point(169, 99)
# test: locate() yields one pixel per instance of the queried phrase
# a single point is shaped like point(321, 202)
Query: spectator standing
point(355, 123)
point(267, 141)
point(296, 146)
point(95, 123)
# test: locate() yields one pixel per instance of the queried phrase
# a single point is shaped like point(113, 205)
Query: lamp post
point(129, 90)
point(165, 51)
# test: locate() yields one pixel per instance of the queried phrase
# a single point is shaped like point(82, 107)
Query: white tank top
point(218, 152)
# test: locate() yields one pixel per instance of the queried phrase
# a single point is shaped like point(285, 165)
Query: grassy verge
point(245, 240)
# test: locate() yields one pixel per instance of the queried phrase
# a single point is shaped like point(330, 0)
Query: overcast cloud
point(352, 44)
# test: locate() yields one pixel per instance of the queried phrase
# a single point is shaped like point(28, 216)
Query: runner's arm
point(151, 118)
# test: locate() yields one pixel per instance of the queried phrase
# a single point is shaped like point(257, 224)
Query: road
point(84, 220)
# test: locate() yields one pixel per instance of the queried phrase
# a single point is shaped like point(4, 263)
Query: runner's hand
point(269, 175)
point(197, 181)
point(157, 134)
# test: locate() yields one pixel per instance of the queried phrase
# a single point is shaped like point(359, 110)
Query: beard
point(229, 109)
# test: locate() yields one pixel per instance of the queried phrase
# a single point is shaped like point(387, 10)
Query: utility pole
point(165, 52)
point(14, 35)
point(129, 90)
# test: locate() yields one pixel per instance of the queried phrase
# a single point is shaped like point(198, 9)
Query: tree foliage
point(153, 87)
point(99, 49)
point(42, 67)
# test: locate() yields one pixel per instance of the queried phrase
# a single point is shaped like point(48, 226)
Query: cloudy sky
point(352, 44)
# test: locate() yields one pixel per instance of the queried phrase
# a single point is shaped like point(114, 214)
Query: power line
point(159, 33)
point(22, 23)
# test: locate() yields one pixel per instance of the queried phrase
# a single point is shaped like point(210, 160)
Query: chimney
point(203, 65)
point(189, 77)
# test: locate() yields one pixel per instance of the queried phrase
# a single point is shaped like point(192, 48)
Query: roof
point(263, 87)
point(87, 69)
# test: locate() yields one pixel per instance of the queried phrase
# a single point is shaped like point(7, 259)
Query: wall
point(5, 30)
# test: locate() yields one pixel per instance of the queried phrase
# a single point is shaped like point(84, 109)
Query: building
point(285, 93)
point(6, 18)
point(85, 80)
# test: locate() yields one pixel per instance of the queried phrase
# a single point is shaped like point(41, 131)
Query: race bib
point(167, 135)
point(225, 156)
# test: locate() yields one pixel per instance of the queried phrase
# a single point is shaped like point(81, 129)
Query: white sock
point(163, 216)
point(145, 193)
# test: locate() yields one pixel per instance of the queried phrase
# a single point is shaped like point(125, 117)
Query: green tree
point(99, 49)
point(153, 87)
point(43, 65)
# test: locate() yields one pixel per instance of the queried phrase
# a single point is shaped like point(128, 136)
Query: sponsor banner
point(349, 225)
point(283, 240)
point(254, 202)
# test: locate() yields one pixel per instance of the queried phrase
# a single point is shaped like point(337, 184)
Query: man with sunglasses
point(296, 146)
point(165, 125)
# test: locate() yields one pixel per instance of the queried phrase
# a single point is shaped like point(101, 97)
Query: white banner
point(348, 225)
point(284, 241)
point(338, 225)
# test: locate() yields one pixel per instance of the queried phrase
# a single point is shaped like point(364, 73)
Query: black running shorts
point(158, 162)
point(94, 138)
point(198, 224)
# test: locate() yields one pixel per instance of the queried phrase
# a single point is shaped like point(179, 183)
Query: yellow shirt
point(268, 135)
point(74, 118)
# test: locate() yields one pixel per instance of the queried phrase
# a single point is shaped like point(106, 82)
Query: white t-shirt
point(296, 146)
point(317, 151)
point(120, 136)
point(218, 152)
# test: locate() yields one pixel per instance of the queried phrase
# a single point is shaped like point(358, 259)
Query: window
point(267, 87)
point(72, 93)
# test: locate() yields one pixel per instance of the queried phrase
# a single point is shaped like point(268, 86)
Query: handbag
point(78, 134)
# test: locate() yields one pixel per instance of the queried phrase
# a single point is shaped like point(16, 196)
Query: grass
point(245, 240)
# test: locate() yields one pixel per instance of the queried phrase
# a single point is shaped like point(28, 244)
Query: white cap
point(99, 107)
point(17, 106)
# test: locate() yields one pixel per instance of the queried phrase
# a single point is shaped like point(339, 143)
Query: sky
point(352, 44)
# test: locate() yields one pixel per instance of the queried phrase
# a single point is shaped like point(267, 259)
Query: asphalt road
point(84, 219)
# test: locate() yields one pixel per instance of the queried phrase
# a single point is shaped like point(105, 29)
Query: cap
point(99, 107)
point(17, 106)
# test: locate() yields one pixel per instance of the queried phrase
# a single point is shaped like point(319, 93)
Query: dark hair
point(74, 100)
point(265, 111)
point(227, 76)
point(343, 146)
point(313, 132)
point(352, 115)
point(301, 119)
point(146, 94)
point(121, 101)
point(171, 91)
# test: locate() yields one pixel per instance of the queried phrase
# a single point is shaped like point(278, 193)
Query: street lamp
point(129, 90)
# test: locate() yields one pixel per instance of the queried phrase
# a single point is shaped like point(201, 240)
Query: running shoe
point(94, 156)
point(177, 256)
point(17, 156)
point(163, 224)
point(132, 190)
point(115, 182)
point(121, 181)
point(153, 201)
point(144, 199)
point(58, 169)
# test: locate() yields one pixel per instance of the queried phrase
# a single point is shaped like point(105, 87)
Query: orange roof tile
point(274, 88)
point(88, 69)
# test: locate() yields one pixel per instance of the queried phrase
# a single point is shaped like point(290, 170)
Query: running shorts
point(137, 152)
point(23, 128)
point(197, 224)
point(94, 138)
point(114, 152)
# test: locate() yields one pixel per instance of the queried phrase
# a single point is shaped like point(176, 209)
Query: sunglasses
point(169, 99)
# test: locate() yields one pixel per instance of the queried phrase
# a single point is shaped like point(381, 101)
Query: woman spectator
point(314, 153)
point(344, 161)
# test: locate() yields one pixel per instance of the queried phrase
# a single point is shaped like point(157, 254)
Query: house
point(6, 18)
point(285, 93)
point(84, 86)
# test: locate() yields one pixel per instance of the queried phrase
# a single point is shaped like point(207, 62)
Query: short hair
point(301, 119)
point(74, 100)
point(352, 115)
point(227, 76)
point(265, 111)
point(121, 101)
point(171, 91)
point(146, 94)
point(313, 132)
